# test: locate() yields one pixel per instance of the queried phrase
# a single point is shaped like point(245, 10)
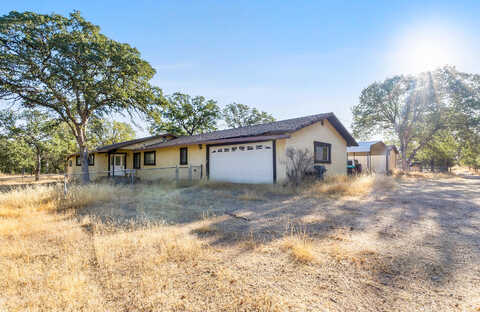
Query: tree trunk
point(38, 166)
point(403, 152)
point(82, 145)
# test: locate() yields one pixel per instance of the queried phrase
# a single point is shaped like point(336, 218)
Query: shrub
point(299, 165)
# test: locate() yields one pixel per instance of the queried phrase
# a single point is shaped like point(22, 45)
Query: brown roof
point(106, 148)
point(271, 128)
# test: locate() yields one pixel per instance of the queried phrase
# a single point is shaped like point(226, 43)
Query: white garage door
point(242, 163)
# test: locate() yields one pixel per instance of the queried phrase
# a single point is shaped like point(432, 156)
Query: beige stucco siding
point(304, 138)
point(392, 160)
point(167, 159)
point(96, 171)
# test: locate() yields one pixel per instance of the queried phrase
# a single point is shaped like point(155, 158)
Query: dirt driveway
point(415, 247)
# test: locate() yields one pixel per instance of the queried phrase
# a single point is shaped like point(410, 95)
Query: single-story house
point(374, 156)
point(252, 154)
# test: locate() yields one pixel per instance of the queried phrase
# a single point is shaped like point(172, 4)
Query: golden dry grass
point(351, 186)
point(51, 261)
point(422, 175)
point(6, 179)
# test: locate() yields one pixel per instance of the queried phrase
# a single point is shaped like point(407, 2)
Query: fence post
point(177, 174)
point(190, 177)
point(65, 184)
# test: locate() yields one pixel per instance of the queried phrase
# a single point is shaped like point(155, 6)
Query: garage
point(242, 163)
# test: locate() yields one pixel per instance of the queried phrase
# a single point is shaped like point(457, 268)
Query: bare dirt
point(415, 247)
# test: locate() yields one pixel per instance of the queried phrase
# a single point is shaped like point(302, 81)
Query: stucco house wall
point(304, 138)
point(100, 164)
point(167, 158)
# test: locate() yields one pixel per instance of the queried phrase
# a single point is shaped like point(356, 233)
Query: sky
point(289, 58)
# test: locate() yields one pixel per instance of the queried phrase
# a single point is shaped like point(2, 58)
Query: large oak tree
point(240, 115)
point(64, 64)
point(182, 114)
point(414, 108)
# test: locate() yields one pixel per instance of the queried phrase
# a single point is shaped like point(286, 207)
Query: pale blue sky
point(288, 58)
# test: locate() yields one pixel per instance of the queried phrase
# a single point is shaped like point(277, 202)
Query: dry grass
point(6, 179)
point(422, 175)
point(53, 262)
point(352, 186)
point(251, 195)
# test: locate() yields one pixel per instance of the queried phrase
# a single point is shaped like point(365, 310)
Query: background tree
point(64, 64)
point(184, 115)
point(33, 127)
point(442, 151)
point(16, 156)
point(415, 108)
point(240, 115)
point(103, 132)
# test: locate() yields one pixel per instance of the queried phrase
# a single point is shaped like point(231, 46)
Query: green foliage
point(416, 108)
point(184, 115)
point(240, 115)
point(103, 132)
point(64, 64)
point(32, 133)
point(441, 151)
point(16, 155)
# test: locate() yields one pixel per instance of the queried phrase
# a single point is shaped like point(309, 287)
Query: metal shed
point(374, 156)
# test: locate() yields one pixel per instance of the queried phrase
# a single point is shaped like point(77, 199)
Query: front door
point(117, 164)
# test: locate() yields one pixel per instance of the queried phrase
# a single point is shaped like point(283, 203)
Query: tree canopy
point(184, 115)
point(64, 64)
point(413, 109)
point(104, 132)
point(241, 115)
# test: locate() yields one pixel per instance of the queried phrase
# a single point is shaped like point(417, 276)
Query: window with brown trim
point(322, 152)
point(183, 155)
point(149, 158)
point(91, 160)
point(136, 160)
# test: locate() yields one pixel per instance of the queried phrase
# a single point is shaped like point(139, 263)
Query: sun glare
point(423, 48)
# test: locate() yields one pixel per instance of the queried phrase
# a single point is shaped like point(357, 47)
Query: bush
point(299, 165)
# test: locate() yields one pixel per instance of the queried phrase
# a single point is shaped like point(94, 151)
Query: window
point(226, 150)
point(91, 160)
point(250, 148)
point(234, 149)
point(322, 152)
point(149, 158)
point(136, 160)
point(183, 155)
point(70, 163)
point(259, 146)
point(242, 148)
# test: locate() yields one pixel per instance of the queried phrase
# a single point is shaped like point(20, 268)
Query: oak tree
point(65, 65)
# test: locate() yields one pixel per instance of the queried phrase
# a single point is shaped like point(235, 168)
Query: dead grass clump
point(27, 200)
point(422, 175)
point(85, 195)
point(251, 195)
point(339, 186)
point(300, 249)
point(298, 245)
point(206, 228)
